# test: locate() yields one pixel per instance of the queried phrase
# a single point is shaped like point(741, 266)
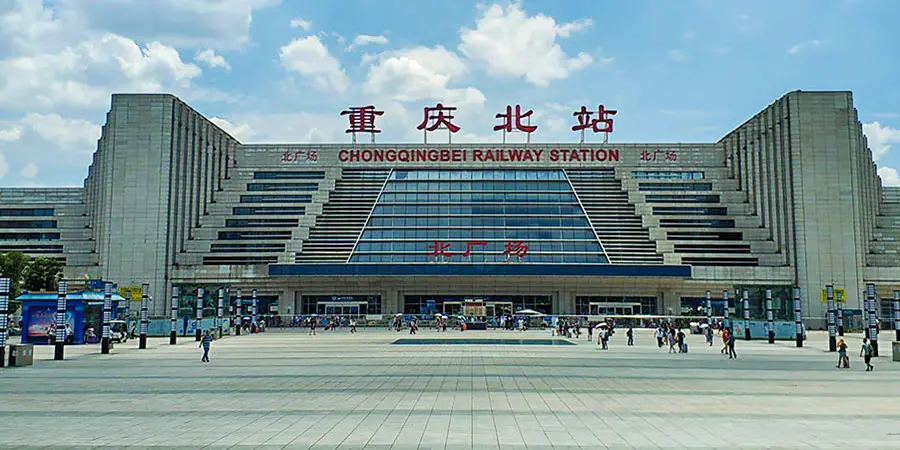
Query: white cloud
point(2, 165)
point(86, 73)
point(677, 55)
point(241, 132)
point(300, 23)
point(889, 176)
point(879, 138)
point(67, 134)
point(29, 171)
point(420, 73)
point(797, 48)
point(366, 39)
point(512, 44)
point(211, 59)
point(197, 23)
point(309, 57)
point(10, 135)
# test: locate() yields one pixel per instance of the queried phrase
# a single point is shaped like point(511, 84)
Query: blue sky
point(281, 71)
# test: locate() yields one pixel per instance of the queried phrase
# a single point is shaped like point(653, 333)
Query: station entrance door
point(615, 308)
point(343, 309)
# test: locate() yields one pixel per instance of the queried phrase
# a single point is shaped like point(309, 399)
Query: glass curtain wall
point(478, 216)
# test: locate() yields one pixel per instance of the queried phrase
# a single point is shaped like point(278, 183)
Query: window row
point(666, 175)
point(289, 176)
point(436, 234)
point(253, 235)
point(675, 186)
point(479, 221)
point(468, 186)
point(704, 235)
point(557, 258)
point(697, 223)
point(461, 246)
point(682, 198)
point(488, 209)
point(29, 236)
point(246, 248)
point(238, 260)
point(26, 212)
point(689, 211)
point(242, 223)
point(27, 224)
point(257, 187)
point(527, 175)
point(477, 197)
point(276, 198)
point(269, 211)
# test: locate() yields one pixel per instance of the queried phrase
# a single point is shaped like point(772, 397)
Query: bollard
point(255, 303)
point(60, 344)
point(145, 319)
point(873, 318)
point(839, 303)
point(798, 318)
point(200, 294)
point(829, 319)
point(726, 321)
point(173, 321)
point(219, 313)
point(709, 308)
point(896, 308)
point(239, 311)
point(746, 301)
point(107, 316)
point(4, 318)
point(770, 324)
point(127, 309)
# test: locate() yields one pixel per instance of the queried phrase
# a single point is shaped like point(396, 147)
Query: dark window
point(712, 248)
point(276, 198)
point(269, 211)
point(27, 224)
point(720, 261)
point(256, 187)
point(33, 249)
point(289, 176)
point(253, 235)
point(666, 175)
point(696, 223)
point(682, 198)
point(704, 236)
point(241, 223)
point(689, 211)
point(246, 248)
point(312, 304)
point(238, 260)
point(610, 305)
point(675, 186)
point(26, 212)
point(29, 236)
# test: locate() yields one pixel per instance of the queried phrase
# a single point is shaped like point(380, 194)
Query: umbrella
point(704, 325)
point(601, 325)
point(528, 312)
point(398, 314)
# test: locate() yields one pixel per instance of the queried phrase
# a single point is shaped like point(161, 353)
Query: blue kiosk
point(84, 311)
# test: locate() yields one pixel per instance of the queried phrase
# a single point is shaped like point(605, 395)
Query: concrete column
point(4, 318)
point(59, 350)
point(829, 298)
point(173, 320)
point(145, 319)
point(107, 313)
point(199, 331)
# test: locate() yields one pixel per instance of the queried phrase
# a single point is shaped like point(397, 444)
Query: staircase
point(620, 231)
point(343, 217)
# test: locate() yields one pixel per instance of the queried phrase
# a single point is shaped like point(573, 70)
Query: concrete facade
point(789, 198)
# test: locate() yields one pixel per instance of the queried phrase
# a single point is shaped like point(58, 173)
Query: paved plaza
point(284, 389)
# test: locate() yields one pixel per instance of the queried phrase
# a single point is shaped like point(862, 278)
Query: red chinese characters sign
point(514, 118)
point(442, 250)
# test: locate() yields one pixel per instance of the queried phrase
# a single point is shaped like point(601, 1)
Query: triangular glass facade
point(478, 216)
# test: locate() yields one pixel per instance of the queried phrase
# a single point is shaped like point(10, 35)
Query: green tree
point(12, 265)
point(43, 274)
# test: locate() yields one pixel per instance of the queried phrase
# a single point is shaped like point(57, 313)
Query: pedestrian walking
point(866, 353)
point(630, 334)
point(313, 323)
point(843, 361)
point(730, 345)
point(352, 326)
point(204, 342)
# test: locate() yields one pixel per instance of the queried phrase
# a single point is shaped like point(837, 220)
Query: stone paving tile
point(286, 390)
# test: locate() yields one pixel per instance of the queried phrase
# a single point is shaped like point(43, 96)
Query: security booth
point(84, 314)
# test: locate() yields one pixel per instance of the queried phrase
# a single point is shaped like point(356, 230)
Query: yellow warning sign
point(136, 292)
point(839, 294)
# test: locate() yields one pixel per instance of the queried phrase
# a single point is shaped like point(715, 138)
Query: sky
point(283, 70)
